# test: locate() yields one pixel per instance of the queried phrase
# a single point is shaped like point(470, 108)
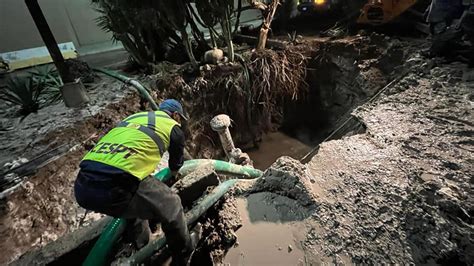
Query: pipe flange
point(220, 122)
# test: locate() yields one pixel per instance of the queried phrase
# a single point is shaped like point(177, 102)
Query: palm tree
point(149, 29)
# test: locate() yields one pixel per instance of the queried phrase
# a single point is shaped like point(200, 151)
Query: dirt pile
point(401, 192)
point(219, 225)
point(286, 177)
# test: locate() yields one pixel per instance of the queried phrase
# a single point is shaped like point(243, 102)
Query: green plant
point(23, 91)
point(153, 31)
point(212, 12)
point(40, 88)
point(150, 30)
point(48, 77)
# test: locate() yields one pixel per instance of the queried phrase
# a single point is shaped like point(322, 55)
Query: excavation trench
point(337, 77)
point(272, 225)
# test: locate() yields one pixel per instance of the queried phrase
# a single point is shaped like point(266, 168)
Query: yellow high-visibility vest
point(136, 144)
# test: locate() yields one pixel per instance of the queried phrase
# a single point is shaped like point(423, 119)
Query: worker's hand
point(173, 179)
point(174, 173)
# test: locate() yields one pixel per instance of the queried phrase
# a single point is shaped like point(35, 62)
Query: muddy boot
point(138, 232)
point(185, 259)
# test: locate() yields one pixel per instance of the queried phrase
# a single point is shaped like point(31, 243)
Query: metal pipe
point(192, 216)
point(49, 40)
point(132, 82)
point(220, 124)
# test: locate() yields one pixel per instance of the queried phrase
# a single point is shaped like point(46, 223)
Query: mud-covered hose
point(103, 246)
point(129, 81)
point(191, 217)
point(221, 167)
point(105, 243)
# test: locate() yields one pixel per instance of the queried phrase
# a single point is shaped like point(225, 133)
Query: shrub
point(40, 88)
point(22, 91)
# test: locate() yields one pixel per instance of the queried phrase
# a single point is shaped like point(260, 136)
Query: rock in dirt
point(193, 186)
point(213, 56)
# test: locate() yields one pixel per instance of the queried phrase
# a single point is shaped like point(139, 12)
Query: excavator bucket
point(377, 12)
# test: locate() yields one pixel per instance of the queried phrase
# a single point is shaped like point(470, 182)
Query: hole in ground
point(324, 112)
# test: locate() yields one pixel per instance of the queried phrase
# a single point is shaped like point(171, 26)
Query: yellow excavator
point(377, 12)
point(374, 12)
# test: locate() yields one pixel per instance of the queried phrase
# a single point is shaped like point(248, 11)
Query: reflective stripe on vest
point(150, 133)
point(136, 144)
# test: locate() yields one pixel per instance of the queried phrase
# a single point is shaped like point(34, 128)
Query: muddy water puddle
point(271, 233)
point(275, 145)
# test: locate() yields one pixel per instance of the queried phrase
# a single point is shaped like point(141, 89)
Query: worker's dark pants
point(151, 200)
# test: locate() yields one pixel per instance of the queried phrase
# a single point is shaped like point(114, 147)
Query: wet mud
point(270, 232)
point(398, 192)
point(275, 145)
point(401, 192)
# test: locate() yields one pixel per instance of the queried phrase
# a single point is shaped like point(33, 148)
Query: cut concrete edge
point(63, 245)
point(192, 186)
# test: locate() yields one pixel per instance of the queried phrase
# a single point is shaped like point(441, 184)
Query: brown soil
point(341, 74)
point(399, 193)
point(44, 207)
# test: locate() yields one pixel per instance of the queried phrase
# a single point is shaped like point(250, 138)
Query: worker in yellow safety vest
point(114, 176)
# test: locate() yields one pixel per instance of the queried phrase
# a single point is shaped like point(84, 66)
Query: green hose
point(221, 167)
point(103, 246)
point(191, 217)
point(141, 89)
point(112, 232)
point(105, 242)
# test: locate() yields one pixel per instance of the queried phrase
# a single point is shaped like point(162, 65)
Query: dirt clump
point(191, 187)
point(219, 226)
point(286, 177)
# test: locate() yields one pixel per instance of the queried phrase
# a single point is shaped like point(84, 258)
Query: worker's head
point(174, 109)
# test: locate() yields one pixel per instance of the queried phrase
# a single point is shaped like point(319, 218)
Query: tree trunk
point(270, 13)
point(262, 38)
point(228, 36)
point(213, 38)
point(188, 47)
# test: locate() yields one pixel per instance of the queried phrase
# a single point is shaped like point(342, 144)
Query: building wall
point(70, 21)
